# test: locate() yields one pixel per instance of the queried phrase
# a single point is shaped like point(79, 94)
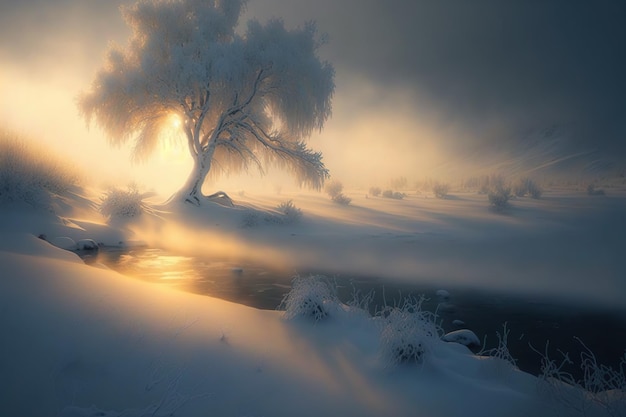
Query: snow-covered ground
point(80, 340)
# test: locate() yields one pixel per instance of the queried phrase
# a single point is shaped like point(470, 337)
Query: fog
point(423, 89)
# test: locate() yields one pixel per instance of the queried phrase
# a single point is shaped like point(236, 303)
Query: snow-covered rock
point(443, 294)
point(86, 244)
point(463, 336)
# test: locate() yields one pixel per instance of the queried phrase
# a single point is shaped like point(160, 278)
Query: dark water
point(531, 321)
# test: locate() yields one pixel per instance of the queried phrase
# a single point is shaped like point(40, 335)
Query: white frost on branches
point(244, 100)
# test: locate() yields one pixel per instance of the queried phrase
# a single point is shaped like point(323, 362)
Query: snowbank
point(84, 337)
point(80, 341)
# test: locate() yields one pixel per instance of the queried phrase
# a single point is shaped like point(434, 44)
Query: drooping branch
point(307, 164)
point(231, 90)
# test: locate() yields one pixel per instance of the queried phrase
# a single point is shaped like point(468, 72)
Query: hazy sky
point(416, 80)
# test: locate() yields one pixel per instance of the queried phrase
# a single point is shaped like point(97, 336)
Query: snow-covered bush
point(527, 187)
point(441, 189)
point(601, 386)
point(122, 203)
point(502, 361)
point(30, 173)
point(286, 213)
point(310, 297)
point(393, 194)
point(361, 301)
point(499, 197)
point(334, 190)
point(342, 199)
point(485, 183)
point(375, 191)
point(408, 334)
point(291, 213)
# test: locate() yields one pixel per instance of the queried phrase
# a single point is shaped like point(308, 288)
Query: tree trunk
point(191, 192)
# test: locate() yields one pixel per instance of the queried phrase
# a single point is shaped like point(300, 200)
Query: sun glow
point(172, 143)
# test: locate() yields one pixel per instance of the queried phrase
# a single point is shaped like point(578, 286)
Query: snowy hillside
point(86, 341)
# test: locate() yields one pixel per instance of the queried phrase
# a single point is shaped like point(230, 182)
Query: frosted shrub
point(375, 191)
point(334, 190)
point(601, 386)
point(408, 333)
point(534, 190)
point(499, 197)
point(504, 361)
point(441, 190)
point(310, 297)
point(342, 199)
point(527, 187)
point(286, 213)
point(606, 385)
point(30, 174)
point(486, 183)
point(361, 301)
point(502, 350)
point(291, 213)
point(393, 194)
point(122, 203)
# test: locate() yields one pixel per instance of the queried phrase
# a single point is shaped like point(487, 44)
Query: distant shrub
point(393, 194)
point(311, 298)
point(291, 213)
point(499, 197)
point(441, 189)
point(31, 174)
point(118, 203)
point(375, 191)
point(592, 190)
point(527, 187)
point(286, 213)
point(408, 334)
point(486, 183)
point(334, 190)
point(342, 199)
point(534, 190)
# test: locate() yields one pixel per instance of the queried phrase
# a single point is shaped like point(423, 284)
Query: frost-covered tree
point(243, 100)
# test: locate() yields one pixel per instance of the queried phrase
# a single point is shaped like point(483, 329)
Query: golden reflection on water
point(154, 265)
point(229, 279)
